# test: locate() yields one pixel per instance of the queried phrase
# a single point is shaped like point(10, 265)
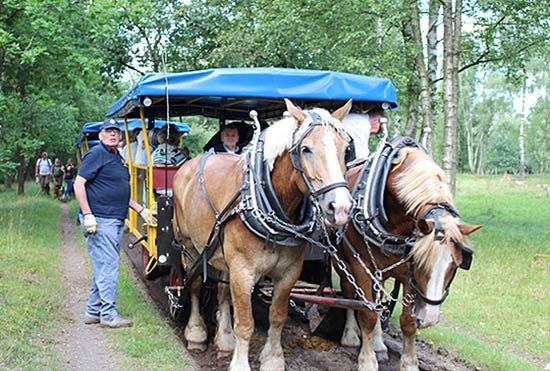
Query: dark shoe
point(91, 320)
point(115, 322)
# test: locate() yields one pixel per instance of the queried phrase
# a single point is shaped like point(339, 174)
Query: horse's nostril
point(332, 207)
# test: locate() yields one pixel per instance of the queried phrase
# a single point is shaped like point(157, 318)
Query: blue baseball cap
point(110, 124)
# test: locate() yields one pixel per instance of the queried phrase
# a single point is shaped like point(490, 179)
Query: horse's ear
point(467, 229)
point(295, 112)
point(343, 111)
point(425, 226)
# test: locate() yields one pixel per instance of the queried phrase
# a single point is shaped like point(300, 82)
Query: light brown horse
point(421, 244)
point(305, 155)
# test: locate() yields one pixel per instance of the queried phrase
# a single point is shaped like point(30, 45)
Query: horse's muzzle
point(336, 205)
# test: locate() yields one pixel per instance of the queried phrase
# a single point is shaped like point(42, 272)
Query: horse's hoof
point(201, 347)
point(221, 354)
point(382, 357)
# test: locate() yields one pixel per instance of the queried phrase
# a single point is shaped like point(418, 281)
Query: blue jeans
point(69, 189)
point(104, 251)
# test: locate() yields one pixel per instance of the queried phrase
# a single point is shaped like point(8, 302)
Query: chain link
point(172, 299)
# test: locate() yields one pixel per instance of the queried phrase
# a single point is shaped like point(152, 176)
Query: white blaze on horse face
point(428, 315)
point(341, 201)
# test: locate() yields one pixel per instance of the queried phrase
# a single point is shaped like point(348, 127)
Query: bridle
point(296, 158)
point(435, 212)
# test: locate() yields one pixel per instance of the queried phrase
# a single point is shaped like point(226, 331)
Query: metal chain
point(172, 299)
point(377, 307)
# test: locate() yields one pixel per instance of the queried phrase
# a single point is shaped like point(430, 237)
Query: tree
point(54, 60)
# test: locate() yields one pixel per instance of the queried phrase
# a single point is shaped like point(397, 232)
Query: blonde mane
point(424, 183)
point(282, 134)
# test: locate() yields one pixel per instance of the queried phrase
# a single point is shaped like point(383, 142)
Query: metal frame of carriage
point(228, 94)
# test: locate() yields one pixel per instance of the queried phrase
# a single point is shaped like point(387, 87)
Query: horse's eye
point(305, 150)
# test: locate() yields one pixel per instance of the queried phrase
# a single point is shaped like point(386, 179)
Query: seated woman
point(167, 152)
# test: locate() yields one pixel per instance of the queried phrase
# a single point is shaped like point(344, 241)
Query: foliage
point(63, 62)
point(53, 74)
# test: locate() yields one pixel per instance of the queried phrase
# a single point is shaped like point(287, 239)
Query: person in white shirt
point(360, 126)
point(43, 169)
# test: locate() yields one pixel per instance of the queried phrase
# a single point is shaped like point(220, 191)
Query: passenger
point(102, 190)
point(167, 152)
point(141, 154)
point(185, 151)
point(229, 138)
point(360, 126)
point(133, 145)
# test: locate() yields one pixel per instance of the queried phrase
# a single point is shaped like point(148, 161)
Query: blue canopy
point(232, 92)
point(94, 127)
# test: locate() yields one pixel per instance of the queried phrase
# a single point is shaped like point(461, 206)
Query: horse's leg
point(351, 337)
point(352, 332)
point(272, 357)
point(378, 343)
point(242, 282)
point(367, 356)
point(195, 332)
point(409, 360)
point(224, 339)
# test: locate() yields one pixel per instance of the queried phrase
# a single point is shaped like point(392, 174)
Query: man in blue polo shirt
point(102, 190)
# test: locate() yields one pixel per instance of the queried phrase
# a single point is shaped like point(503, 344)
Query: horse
point(304, 156)
point(405, 226)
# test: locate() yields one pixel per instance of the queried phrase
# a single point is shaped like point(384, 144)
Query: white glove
point(145, 214)
point(90, 225)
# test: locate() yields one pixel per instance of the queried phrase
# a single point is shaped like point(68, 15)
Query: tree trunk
point(20, 171)
point(433, 65)
point(425, 97)
point(451, 53)
point(480, 169)
point(470, 147)
point(521, 128)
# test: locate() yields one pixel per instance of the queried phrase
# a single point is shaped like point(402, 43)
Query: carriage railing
point(141, 190)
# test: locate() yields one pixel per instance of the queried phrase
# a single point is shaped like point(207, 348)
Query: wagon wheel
point(150, 267)
point(178, 314)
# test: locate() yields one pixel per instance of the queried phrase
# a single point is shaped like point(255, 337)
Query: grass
point(31, 302)
point(496, 317)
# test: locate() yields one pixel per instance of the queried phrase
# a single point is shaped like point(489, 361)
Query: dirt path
point(302, 351)
point(83, 347)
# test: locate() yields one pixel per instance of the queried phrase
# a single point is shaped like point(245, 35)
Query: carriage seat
point(163, 177)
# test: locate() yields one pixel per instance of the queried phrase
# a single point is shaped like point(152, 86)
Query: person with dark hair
point(69, 171)
point(168, 152)
point(57, 176)
point(102, 190)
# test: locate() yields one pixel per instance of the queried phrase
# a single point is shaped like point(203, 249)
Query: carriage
point(232, 94)
point(225, 95)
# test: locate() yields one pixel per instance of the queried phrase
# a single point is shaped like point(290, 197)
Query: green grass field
point(32, 303)
point(498, 313)
point(497, 316)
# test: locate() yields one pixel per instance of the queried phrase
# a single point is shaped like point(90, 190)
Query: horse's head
point(317, 146)
point(440, 247)
point(436, 256)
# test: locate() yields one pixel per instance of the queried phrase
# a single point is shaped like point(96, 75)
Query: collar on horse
point(369, 216)
point(261, 210)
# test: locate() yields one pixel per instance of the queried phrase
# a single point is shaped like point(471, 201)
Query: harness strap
point(202, 183)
